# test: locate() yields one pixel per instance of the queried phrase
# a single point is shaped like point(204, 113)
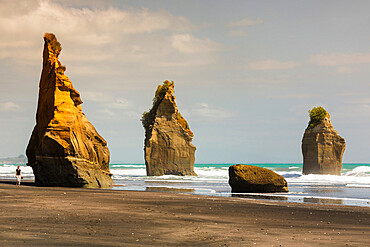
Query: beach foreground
point(40, 216)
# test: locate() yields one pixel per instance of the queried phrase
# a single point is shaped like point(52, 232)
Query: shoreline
point(314, 200)
point(35, 216)
point(258, 198)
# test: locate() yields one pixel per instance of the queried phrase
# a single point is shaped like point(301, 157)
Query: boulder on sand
point(254, 179)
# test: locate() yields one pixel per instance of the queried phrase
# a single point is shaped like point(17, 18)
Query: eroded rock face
point(168, 148)
point(64, 149)
point(322, 149)
point(254, 179)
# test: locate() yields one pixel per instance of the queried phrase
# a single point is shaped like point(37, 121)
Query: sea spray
point(352, 188)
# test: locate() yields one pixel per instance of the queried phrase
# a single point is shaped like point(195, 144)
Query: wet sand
point(39, 216)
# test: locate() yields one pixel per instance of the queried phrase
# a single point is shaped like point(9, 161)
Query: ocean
point(352, 188)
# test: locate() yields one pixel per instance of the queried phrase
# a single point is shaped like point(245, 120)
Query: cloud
point(109, 37)
point(347, 70)
point(271, 64)
point(107, 113)
point(108, 102)
point(207, 111)
point(363, 104)
point(95, 96)
point(119, 103)
point(245, 22)
point(290, 96)
point(343, 62)
point(118, 114)
point(366, 107)
point(84, 21)
point(187, 43)
point(237, 33)
point(9, 107)
point(340, 59)
point(110, 107)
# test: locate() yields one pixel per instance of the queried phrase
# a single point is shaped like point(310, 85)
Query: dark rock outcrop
point(64, 149)
point(254, 179)
point(322, 147)
point(168, 149)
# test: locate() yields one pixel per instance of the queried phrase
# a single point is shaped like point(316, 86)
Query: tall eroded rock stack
point(168, 148)
point(64, 149)
point(322, 147)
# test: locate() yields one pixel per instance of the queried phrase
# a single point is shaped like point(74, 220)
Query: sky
point(246, 72)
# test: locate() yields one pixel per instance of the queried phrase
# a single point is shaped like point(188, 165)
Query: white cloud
point(271, 64)
point(343, 62)
point(347, 69)
point(109, 37)
point(84, 21)
point(290, 96)
point(365, 101)
point(107, 113)
point(95, 96)
point(237, 33)
point(268, 81)
point(187, 43)
point(340, 59)
point(119, 103)
point(366, 107)
point(117, 113)
point(10, 107)
point(107, 100)
point(245, 22)
point(207, 111)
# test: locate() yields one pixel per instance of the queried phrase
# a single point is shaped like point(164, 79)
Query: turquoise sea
point(351, 188)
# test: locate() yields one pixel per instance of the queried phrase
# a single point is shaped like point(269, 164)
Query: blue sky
point(246, 72)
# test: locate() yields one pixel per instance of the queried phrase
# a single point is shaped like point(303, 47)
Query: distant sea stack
point(254, 179)
point(64, 149)
point(168, 149)
point(322, 147)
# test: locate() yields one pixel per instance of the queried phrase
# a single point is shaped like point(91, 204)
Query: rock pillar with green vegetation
point(322, 146)
point(167, 148)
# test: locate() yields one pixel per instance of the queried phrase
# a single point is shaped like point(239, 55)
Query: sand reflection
point(167, 189)
point(322, 200)
point(264, 197)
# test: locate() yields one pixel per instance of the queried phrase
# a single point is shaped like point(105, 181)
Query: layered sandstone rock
point(168, 148)
point(322, 147)
point(64, 149)
point(254, 179)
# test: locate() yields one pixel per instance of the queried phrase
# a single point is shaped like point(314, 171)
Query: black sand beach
point(40, 216)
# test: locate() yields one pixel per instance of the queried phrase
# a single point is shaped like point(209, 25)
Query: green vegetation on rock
point(147, 118)
point(317, 114)
point(54, 44)
point(162, 90)
point(61, 70)
point(184, 124)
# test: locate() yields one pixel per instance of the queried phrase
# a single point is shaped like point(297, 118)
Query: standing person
point(18, 175)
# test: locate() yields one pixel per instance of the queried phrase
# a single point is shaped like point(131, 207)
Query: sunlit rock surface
point(168, 148)
point(64, 149)
point(254, 179)
point(322, 149)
